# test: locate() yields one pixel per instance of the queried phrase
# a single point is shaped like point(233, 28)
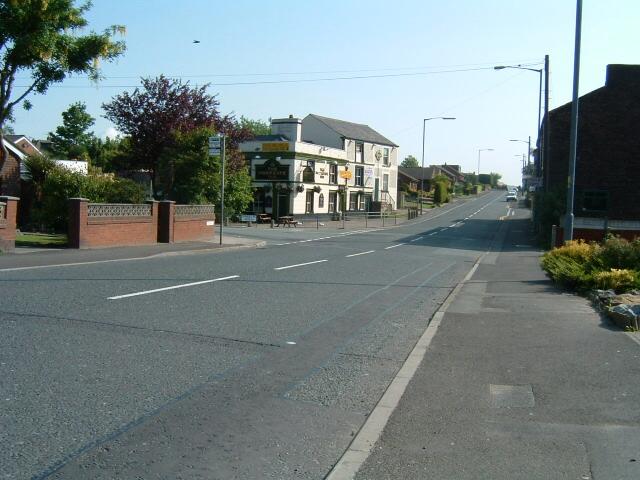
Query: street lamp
point(537, 70)
point(482, 150)
point(424, 128)
point(544, 144)
point(528, 142)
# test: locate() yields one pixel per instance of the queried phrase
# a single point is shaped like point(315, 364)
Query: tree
point(255, 127)
point(71, 139)
point(155, 114)
point(40, 38)
point(495, 178)
point(410, 162)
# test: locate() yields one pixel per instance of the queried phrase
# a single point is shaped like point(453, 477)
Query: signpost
point(216, 147)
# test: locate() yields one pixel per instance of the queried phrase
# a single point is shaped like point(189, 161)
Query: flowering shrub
point(614, 264)
point(615, 279)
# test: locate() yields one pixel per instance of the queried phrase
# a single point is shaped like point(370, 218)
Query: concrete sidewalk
point(40, 257)
point(521, 381)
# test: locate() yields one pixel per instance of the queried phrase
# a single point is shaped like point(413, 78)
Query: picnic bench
point(286, 220)
point(264, 218)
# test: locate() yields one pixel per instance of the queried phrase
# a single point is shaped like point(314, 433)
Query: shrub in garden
point(619, 253)
point(566, 271)
point(615, 279)
point(441, 195)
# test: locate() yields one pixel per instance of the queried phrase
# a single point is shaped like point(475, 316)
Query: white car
point(512, 197)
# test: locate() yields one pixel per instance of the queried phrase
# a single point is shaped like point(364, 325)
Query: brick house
point(608, 156)
point(10, 170)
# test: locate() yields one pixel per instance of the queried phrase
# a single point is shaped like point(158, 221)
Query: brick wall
point(196, 222)
point(608, 145)
point(8, 214)
point(595, 235)
point(87, 231)
point(95, 225)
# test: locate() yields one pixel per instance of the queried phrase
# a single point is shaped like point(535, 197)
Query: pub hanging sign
point(272, 170)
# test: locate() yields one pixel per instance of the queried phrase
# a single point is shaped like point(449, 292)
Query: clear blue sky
point(257, 41)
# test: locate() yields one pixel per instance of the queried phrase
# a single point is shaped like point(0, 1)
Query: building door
point(309, 202)
point(333, 202)
point(283, 204)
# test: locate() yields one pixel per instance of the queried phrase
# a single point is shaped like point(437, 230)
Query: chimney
point(289, 127)
point(623, 76)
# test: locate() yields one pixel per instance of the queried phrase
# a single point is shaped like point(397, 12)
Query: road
point(259, 363)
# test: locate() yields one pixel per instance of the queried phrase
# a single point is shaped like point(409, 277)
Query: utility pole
point(573, 141)
point(223, 142)
point(546, 134)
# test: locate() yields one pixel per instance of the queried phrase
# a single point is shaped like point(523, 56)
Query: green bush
point(620, 254)
point(614, 264)
point(441, 195)
point(566, 271)
point(616, 279)
point(61, 184)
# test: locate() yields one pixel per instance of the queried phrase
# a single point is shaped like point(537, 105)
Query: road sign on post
point(215, 143)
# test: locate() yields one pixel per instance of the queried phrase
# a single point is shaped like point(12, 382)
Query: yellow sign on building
point(275, 147)
point(346, 174)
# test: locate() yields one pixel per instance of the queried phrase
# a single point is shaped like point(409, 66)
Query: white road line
point(451, 226)
point(416, 239)
point(431, 234)
point(361, 253)
point(393, 246)
point(146, 292)
point(300, 264)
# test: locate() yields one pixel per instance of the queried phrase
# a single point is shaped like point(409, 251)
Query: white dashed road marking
point(394, 246)
point(361, 253)
point(300, 265)
point(192, 284)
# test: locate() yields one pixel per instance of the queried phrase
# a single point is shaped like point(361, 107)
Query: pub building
point(320, 165)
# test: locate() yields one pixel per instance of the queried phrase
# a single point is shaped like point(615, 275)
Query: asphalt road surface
point(249, 364)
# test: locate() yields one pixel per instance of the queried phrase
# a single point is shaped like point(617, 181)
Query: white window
point(353, 201)
point(385, 157)
point(359, 152)
point(385, 182)
point(359, 176)
point(361, 202)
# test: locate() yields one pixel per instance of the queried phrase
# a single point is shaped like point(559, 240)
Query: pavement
point(520, 381)
point(29, 257)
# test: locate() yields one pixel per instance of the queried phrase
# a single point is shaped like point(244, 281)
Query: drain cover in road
point(507, 396)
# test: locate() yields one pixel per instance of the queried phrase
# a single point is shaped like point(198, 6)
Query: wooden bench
point(286, 220)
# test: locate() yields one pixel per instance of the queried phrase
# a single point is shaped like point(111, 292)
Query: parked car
point(512, 197)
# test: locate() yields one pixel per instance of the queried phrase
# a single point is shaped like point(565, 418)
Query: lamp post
point(539, 71)
point(528, 142)
point(482, 150)
point(424, 128)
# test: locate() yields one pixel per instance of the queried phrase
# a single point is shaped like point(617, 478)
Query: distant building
point(321, 165)
point(10, 170)
point(608, 156)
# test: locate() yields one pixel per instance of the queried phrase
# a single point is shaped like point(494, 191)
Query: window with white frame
point(359, 152)
point(359, 176)
point(333, 173)
point(361, 201)
point(385, 156)
point(353, 201)
point(385, 182)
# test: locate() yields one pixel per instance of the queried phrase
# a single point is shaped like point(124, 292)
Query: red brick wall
point(162, 226)
point(8, 224)
point(190, 228)
point(595, 235)
point(89, 232)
